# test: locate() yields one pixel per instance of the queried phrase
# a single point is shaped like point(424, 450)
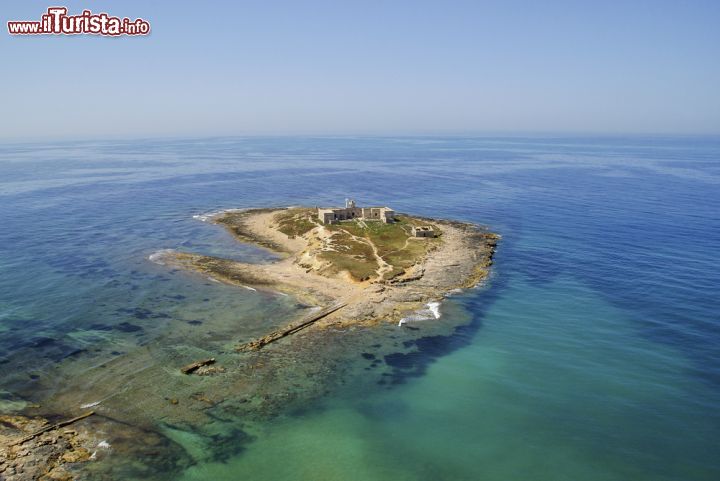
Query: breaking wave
point(157, 257)
point(210, 215)
point(431, 311)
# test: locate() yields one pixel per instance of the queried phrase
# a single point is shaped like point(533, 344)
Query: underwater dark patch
point(227, 446)
point(76, 352)
point(141, 313)
point(100, 327)
point(127, 327)
point(41, 342)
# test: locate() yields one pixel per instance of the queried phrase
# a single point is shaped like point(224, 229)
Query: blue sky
point(368, 67)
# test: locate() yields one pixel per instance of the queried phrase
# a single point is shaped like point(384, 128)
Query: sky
point(367, 67)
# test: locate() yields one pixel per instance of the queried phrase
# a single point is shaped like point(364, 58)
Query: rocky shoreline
point(51, 455)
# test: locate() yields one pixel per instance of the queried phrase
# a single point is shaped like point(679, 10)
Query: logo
point(57, 22)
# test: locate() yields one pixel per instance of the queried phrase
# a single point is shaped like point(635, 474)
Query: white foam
point(90, 405)
point(210, 215)
point(205, 217)
point(157, 257)
point(250, 288)
point(103, 444)
point(431, 312)
point(434, 307)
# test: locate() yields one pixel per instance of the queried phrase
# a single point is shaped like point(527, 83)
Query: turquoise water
point(592, 353)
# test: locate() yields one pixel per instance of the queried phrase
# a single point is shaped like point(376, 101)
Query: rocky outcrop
point(33, 449)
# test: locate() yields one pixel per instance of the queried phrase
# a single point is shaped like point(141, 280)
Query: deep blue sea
point(593, 352)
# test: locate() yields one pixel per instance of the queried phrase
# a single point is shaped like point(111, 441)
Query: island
point(355, 264)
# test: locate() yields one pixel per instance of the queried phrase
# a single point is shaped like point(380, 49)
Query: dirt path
point(383, 267)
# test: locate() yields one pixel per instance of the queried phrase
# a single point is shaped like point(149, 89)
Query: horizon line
point(416, 134)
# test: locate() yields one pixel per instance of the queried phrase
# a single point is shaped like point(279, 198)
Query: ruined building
point(351, 211)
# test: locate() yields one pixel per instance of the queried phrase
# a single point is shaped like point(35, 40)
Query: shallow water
point(591, 353)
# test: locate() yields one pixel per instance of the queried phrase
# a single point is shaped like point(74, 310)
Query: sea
point(591, 353)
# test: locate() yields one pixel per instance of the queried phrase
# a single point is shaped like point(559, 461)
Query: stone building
point(351, 211)
point(423, 231)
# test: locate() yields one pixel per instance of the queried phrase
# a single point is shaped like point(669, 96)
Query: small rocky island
point(358, 264)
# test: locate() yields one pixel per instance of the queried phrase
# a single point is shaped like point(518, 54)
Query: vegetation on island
point(394, 243)
point(366, 250)
point(296, 221)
